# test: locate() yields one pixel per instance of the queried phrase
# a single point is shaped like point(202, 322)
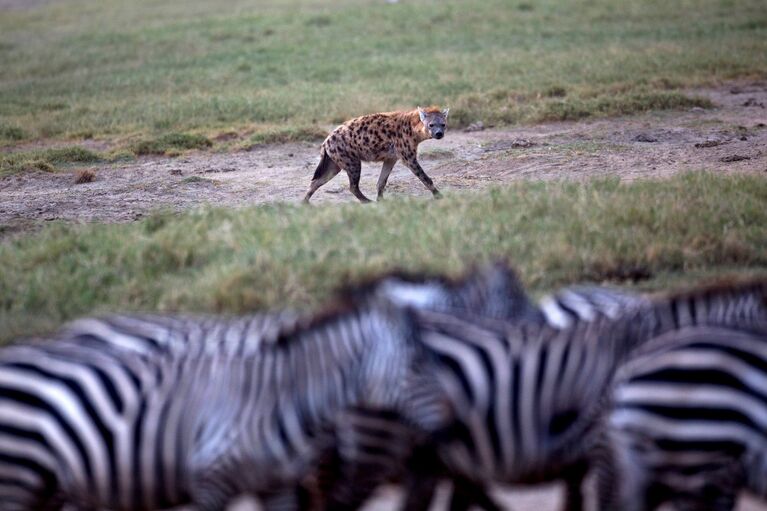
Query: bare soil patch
point(732, 137)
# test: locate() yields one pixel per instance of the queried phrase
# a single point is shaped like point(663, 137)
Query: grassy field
point(148, 77)
point(649, 234)
point(142, 71)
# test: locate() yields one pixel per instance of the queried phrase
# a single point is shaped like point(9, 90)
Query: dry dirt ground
point(731, 137)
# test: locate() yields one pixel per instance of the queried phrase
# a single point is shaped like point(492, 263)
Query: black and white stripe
point(147, 338)
point(490, 292)
point(129, 424)
point(689, 421)
point(530, 399)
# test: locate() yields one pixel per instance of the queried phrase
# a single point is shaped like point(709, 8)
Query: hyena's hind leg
point(326, 170)
point(354, 169)
point(385, 171)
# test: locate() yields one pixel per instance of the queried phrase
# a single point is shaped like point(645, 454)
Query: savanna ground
point(590, 140)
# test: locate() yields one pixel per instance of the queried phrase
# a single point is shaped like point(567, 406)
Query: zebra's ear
point(421, 295)
point(504, 295)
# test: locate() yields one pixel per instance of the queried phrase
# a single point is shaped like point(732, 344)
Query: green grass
point(283, 134)
point(695, 225)
point(100, 68)
point(170, 142)
point(46, 159)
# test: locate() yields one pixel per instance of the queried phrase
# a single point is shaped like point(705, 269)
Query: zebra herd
point(409, 378)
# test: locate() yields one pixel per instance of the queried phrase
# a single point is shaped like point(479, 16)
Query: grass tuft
point(556, 104)
point(47, 159)
point(196, 179)
point(71, 154)
point(12, 133)
point(240, 260)
point(170, 143)
point(285, 134)
point(571, 110)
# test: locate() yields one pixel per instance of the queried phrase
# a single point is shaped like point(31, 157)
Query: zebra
point(491, 292)
point(531, 399)
point(558, 310)
point(135, 424)
point(144, 339)
point(688, 423)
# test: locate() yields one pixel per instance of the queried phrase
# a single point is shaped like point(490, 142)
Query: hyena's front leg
point(409, 158)
point(385, 171)
point(354, 169)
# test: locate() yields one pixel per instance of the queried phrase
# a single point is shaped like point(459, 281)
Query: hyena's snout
point(438, 134)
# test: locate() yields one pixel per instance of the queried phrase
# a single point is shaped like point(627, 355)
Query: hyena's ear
point(422, 115)
point(445, 112)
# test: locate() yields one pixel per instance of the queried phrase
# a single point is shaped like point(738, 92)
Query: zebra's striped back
point(148, 334)
point(689, 423)
point(514, 385)
point(586, 303)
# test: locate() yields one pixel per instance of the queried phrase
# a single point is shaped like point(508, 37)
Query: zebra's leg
point(372, 446)
point(211, 493)
point(424, 470)
point(574, 486)
point(286, 499)
point(718, 493)
point(469, 494)
point(621, 480)
point(419, 492)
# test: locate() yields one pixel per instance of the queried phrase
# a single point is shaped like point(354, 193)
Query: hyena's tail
point(323, 166)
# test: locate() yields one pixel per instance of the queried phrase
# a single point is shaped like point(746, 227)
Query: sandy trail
point(731, 137)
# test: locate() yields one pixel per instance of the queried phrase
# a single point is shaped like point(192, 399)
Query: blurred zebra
point(133, 424)
point(559, 310)
point(490, 292)
point(689, 421)
point(143, 342)
point(530, 399)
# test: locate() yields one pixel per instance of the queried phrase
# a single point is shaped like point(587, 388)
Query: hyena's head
point(434, 120)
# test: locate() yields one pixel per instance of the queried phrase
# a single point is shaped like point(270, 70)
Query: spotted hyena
point(385, 137)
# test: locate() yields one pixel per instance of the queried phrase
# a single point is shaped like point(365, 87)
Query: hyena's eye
point(431, 124)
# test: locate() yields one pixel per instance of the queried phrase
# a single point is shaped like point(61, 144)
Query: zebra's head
point(490, 290)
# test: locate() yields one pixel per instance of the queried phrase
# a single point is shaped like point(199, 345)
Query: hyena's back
point(367, 138)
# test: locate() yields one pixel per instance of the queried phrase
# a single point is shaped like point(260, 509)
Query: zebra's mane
point(365, 292)
point(369, 285)
point(720, 288)
point(473, 275)
point(338, 308)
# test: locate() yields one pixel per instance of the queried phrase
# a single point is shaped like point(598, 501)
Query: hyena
point(385, 137)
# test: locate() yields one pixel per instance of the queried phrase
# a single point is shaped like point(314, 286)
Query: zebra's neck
point(739, 305)
point(297, 387)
